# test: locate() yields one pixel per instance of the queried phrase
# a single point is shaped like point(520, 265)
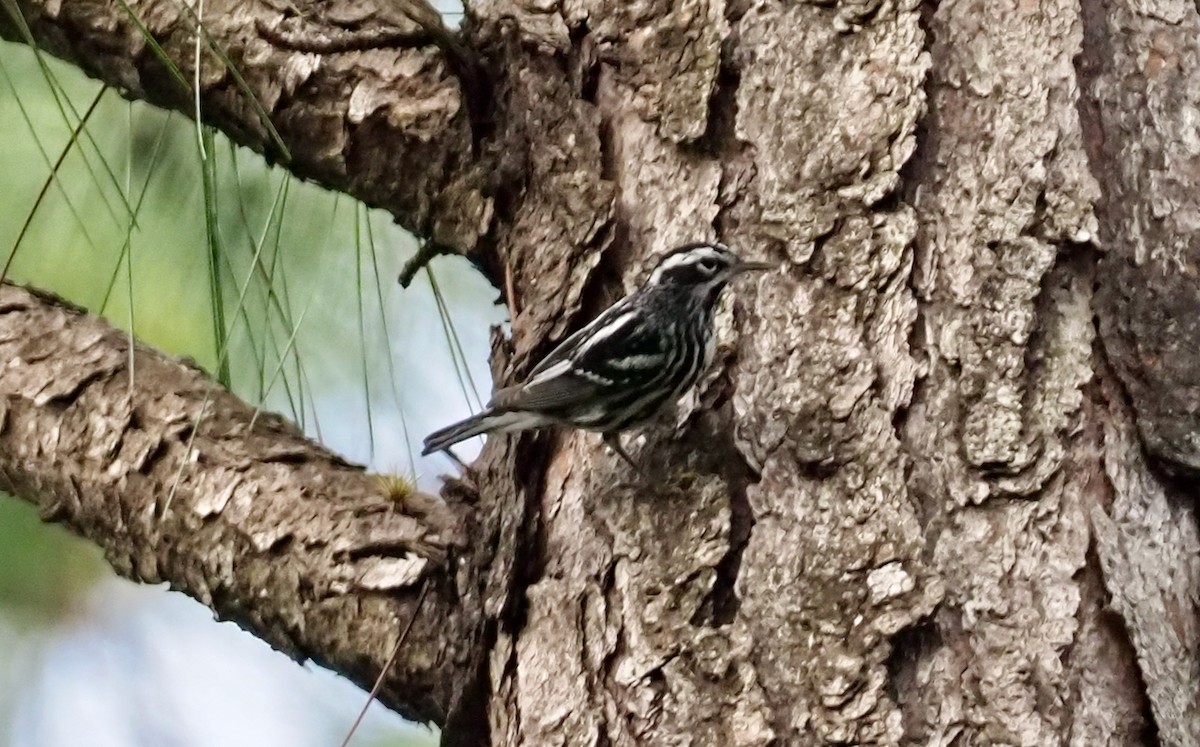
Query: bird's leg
point(613, 441)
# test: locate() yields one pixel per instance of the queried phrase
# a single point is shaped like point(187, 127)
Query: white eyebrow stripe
point(676, 260)
point(692, 256)
point(698, 254)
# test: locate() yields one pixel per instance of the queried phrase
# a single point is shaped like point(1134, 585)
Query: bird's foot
point(613, 441)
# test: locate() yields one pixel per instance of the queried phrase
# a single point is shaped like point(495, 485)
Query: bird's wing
point(602, 357)
point(561, 390)
point(567, 347)
point(625, 353)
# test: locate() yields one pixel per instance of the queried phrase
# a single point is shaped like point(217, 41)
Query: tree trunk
point(937, 489)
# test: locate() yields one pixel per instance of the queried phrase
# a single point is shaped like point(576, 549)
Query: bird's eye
point(709, 266)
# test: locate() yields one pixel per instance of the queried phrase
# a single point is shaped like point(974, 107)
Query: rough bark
point(910, 505)
point(1006, 459)
point(180, 482)
point(1142, 99)
point(387, 125)
point(1139, 63)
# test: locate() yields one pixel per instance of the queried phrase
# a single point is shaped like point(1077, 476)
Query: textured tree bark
point(178, 481)
point(931, 492)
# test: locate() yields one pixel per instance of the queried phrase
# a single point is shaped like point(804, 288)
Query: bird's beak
point(752, 267)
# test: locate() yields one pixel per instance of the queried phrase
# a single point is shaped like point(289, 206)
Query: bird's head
point(703, 268)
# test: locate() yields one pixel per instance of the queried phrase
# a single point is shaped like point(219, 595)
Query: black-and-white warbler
point(618, 371)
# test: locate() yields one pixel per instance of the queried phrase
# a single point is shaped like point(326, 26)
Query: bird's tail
point(488, 421)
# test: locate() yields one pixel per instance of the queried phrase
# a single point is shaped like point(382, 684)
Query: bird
point(623, 367)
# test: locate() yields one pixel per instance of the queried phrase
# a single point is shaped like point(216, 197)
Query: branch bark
point(388, 126)
point(180, 482)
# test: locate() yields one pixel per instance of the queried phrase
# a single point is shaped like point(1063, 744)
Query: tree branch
point(388, 126)
point(178, 481)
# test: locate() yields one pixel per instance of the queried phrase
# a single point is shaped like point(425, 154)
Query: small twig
point(427, 28)
point(317, 40)
point(391, 660)
point(427, 251)
point(454, 458)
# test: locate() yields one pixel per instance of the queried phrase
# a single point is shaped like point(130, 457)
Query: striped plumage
point(618, 371)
